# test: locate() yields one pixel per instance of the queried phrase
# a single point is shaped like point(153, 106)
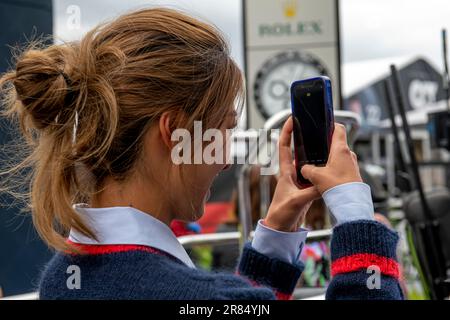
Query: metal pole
point(445, 77)
point(398, 91)
point(397, 145)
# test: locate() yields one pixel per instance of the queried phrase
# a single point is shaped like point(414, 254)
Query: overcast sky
point(370, 29)
point(224, 14)
point(383, 28)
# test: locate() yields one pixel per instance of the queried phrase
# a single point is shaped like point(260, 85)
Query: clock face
point(273, 81)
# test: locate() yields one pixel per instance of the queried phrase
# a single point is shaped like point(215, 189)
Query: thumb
point(309, 194)
point(308, 171)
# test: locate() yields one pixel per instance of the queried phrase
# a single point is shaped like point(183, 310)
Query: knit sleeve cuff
point(275, 273)
point(364, 244)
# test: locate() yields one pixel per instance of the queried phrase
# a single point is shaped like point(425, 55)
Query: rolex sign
point(287, 40)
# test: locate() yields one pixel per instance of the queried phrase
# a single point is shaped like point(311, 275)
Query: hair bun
point(41, 85)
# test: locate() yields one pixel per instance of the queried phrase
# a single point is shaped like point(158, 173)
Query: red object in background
point(216, 213)
point(179, 228)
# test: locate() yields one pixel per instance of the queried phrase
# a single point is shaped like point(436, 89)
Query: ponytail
point(68, 114)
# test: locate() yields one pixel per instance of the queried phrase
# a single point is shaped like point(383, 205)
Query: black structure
point(22, 254)
point(417, 73)
point(429, 224)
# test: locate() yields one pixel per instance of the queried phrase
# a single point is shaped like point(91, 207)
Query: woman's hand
point(290, 203)
point(342, 166)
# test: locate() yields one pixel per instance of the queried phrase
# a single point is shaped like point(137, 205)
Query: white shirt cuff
point(286, 246)
point(349, 202)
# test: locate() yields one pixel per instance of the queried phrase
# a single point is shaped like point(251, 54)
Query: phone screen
point(310, 125)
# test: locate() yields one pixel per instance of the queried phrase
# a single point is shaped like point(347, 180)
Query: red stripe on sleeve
point(360, 261)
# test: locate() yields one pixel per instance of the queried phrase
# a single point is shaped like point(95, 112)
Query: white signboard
point(287, 40)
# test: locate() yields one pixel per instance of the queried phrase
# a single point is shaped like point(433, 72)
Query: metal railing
point(350, 119)
point(224, 238)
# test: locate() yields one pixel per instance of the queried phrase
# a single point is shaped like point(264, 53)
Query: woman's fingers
point(309, 194)
point(354, 157)
point(308, 172)
point(339, 142)
point(339, 136)
point(284, 147)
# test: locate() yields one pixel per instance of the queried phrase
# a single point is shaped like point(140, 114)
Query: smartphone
point(313, 118)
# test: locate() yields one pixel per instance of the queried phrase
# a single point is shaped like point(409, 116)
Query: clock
point(274, 79)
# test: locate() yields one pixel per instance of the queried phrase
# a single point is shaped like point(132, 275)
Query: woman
point(99, 117)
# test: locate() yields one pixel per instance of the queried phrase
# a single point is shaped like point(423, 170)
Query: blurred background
point(354, 42)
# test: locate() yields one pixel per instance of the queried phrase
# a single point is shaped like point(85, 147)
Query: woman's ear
point(165, 128)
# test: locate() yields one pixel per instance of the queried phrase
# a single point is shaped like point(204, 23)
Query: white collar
point(127, 225)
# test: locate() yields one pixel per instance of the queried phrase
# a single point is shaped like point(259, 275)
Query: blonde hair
point(84, 107)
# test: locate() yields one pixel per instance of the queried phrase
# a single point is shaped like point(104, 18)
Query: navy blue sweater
point(139, 272)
